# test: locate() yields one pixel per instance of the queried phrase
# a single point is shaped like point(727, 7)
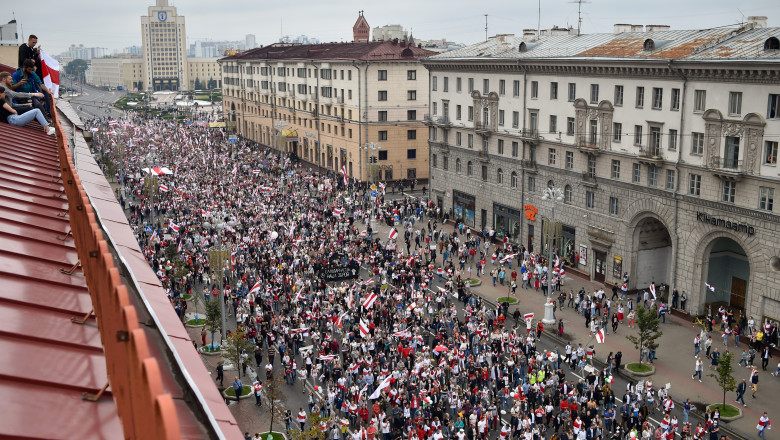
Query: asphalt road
point(92, 101)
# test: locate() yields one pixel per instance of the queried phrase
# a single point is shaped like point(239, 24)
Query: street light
point(218, 255)
point(554, 195)
point(151, 184)
point(371, 152)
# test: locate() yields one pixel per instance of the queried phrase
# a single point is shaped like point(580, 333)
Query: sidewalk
point(674, 362)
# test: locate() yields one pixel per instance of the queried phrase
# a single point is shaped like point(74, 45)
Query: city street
point(92, 102)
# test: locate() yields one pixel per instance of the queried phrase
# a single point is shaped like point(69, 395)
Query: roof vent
point(649, 45)
point(657, 28)
point(622, 27)
point(758, 21)
point(772, 43)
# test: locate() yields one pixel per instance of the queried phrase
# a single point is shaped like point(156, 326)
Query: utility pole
point(486, 28)
point(579, 13)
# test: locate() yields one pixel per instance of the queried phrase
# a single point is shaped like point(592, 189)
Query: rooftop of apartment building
point(749, 41)
point(367, 51)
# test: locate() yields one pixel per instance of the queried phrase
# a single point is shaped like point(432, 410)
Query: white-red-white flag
point(528, 316)
point(255, 288)
point(393, 234)
point(363, 328)
point(163, 188)
point(173, 226)
point(711, 287)
point(600, 336)
point(370, 300)
point(50, 73)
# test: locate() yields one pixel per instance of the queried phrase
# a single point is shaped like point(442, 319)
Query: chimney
point(620, 28)
point(559, 31)
point(529, 34)
point(758, 21)
point(657, 28)
point(637, 28)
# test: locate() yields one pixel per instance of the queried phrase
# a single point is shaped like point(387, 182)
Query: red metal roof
point(370, 51)
point(48, 361)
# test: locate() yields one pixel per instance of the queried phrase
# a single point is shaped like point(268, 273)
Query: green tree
point(647, 323)
point(211, 84)
point(724, 375)
point(236, 344)
point(198, 85)
point(313, 430)
point(77, 68)
point(213, 317)
point(276, 396)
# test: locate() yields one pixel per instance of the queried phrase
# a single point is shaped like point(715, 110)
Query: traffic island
point(272, 436)
point(230, 394)
point(208, 350)
point(507, 299)
point(473, 282)
point(195, 323)
point(728, 413)
point(639, 370)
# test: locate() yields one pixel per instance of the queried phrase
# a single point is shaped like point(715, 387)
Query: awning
point(216, 124)
point(290, 133)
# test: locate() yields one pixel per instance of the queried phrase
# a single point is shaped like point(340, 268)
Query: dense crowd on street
point(404, 351)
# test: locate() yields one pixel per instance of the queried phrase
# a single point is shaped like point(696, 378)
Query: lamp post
point(371, 152)
point(218, 255)
point(280, 125)
point(554, 195)
point(151, 184)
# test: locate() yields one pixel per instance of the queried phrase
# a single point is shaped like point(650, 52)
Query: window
point(729, 190)
point(697, 143)
point(434, 161)
point(672, 140)
point(411, 134)
point(591, 165)
point(694, 184)
point(458, 138)
point(501, 118)
point(458, 168)
point(534, 89)
point(594, 132)
point(471, 85)
point(640, 97)
point(382, 115)
point(766, 198)
point(637, 135)
point(655, 141)
point(446, 83)
point(382, 155)
point(502, 87)
point(658, 98)
point(670, 180)
point(553, 124)
point(411, 115)
point(594, 93)
point(382, 95)
point(569, 160)
point(515, 149)
point(434, 83)
point(382, 75)
point(615, 169)
point(458, 84)
point(513, 180)
point(531, 184)
point(471, 113)
point(617, 129)
point(471, 140)
point(567, 194)
point(500, 176)
point(411, 75)
point(500, 146)
point(675, 105)
point(771, 152)
point(553, 90)
point(590, 199)
point(735, 103)
point(411, 153)
point(445, 163)
point(572, 92)
point(469, 168)
point(515, 119)
point(485, 86)
point(613, 206)
point(773, 108)
point(551, 157)
point(515, 88)
point(699, 100)
point(534, 123)
point(570, 126)
point(411, 95)
point(637, 176)
point(458, 112)
point(382, 135)
point(652, 175)
point(618, 95)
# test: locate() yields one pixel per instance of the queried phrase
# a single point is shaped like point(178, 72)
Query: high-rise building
point(250, 41)
point(9, 36)
point(164, 48)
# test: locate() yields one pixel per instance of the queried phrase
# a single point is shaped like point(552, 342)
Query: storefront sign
point(583, 255)
point(530, 212)
point(723, 223)
point(617, 267)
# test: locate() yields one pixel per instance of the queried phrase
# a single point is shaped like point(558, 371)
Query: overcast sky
point(116, 24)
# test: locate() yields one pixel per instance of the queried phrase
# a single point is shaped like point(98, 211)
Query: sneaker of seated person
point(49, 130)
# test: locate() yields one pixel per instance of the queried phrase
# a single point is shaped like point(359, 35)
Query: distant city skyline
point(102, 24)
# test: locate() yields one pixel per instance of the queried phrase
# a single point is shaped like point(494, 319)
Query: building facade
point(354, 105)
point(205, 71)
point(663, 143)
point(116, 72)
point(164, 41)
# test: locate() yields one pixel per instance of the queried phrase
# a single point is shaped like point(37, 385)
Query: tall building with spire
point(361, 30)
point(164, 48)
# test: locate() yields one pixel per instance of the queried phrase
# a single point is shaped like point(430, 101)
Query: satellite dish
point(774, 262)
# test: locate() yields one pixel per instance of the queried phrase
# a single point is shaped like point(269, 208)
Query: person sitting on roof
point(12, 97)
point(31, 83)
point(8, 114)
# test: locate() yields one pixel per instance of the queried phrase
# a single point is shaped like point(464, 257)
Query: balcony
point(340, 100)
point(427, 119)
point(340, 119)
point(651, 155)
point(727, 168)
point(444, 121)
point(529, 165)
point(481, 127)
point(313, 96)
point(587, 146)
point(589, 179)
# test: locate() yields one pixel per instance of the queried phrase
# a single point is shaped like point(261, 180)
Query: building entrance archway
point(727, 273)
point(653, 250)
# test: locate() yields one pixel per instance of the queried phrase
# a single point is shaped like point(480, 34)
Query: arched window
point(499, 176)
point(513, 181)
point(649, 45)
point(550, 184)
point(469, 169)
point(567, 194)
point(772, 43)
point(457, 166)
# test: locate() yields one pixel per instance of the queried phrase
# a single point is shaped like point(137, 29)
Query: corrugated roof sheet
point(721, 43)
point(371, 51)
point(47, 361)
